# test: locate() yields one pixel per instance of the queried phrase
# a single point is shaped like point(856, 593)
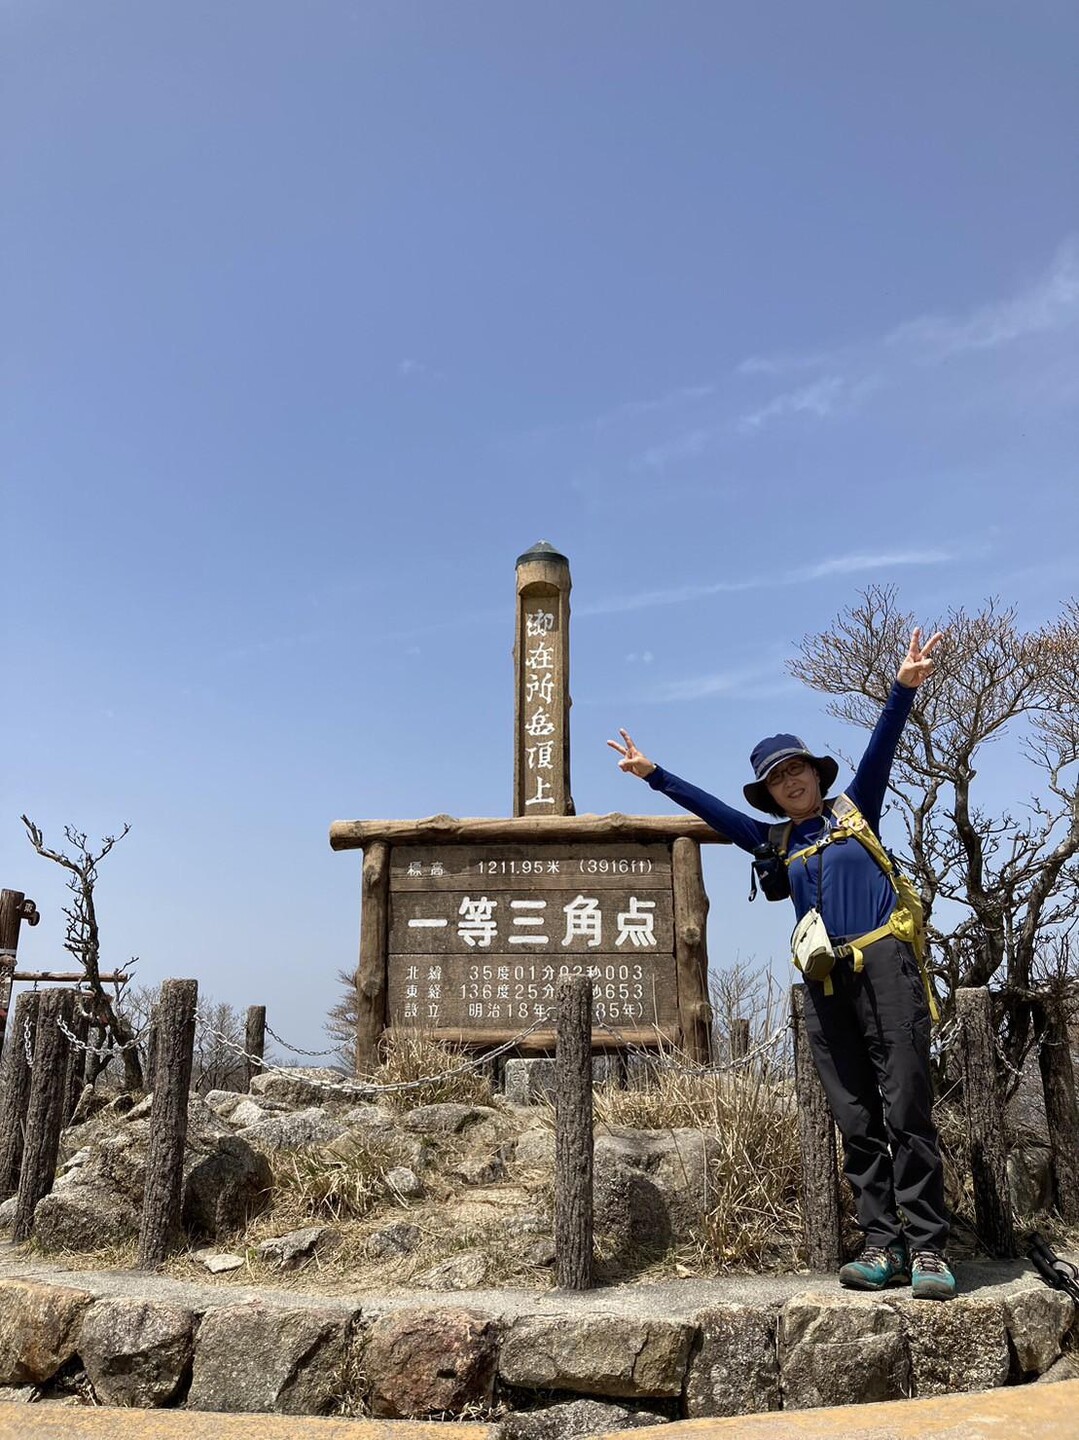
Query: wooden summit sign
point(479, 935)
point(467, 925)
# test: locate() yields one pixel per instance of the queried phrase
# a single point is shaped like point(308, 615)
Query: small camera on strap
point(769, 869)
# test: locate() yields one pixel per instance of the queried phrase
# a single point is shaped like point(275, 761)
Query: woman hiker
point(868, 1019)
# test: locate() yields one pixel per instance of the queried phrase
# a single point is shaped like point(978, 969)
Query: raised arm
point(742, 830)
point(870, 783)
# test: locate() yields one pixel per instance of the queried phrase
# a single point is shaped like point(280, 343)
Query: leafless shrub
point(82, 937)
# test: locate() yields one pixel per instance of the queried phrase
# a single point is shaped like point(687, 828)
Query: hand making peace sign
point(916, 665)
point(632, 761)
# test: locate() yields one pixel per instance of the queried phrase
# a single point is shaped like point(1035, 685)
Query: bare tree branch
point(82, 936)
point(998, 885)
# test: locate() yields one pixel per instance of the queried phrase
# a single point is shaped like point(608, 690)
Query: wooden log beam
point(66, 977)
point(691, 949)
point(983, 1107)
point(816, 1133)
point(545, 1040)
point(573, 1135)
point(356, 834)
point(174, 1017)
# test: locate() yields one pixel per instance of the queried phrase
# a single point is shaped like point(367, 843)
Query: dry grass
point(344, 1186)
point(410, 1055)
point(750, 1216)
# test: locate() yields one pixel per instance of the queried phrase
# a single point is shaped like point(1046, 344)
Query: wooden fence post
point(14, 909)
point(1061, 1111)
point(739, 1038)
point(15, 1091)
point(983, 1107)
point(816, 1133)
point(691, 949)
point(371, 971)
point(76, 1060)
point(149, 1072)
point(254, 1041)
point(168, 1120)
point(45, 1110)
point(573, 1135)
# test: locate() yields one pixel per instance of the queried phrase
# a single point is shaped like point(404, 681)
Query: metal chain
point(947, 1035)
point(102, 1050)
point(1004, 1059)
point(364, 1087)
point(662, 1062)
point(295, 1048)
point(951, 1032)
point(28, 1044)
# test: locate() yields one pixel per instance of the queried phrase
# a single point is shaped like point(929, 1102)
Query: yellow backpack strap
point(848, 813)
point(817, 845)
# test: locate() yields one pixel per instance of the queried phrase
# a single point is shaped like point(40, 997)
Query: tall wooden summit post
point(468, 926)
point(541, 784)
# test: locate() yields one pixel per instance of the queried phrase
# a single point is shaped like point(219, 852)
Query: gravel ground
point(674, 1299)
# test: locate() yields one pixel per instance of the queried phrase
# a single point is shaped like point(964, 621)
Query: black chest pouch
point(769, 870)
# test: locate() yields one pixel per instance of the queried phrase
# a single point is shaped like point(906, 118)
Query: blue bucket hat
point(774, 751)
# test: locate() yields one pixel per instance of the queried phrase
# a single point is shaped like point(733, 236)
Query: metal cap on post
point(541, 773)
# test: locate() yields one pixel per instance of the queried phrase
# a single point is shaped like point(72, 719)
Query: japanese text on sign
point(480, 936)
point(542, 706)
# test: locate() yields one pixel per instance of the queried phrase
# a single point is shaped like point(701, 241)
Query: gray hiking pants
point(870, 1042)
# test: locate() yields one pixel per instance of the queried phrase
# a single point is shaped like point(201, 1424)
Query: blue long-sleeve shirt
point(855, 894)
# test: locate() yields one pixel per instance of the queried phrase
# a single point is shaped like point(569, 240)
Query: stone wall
point(427, 1358)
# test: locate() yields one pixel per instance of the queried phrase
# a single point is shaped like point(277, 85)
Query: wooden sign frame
point(388, 845)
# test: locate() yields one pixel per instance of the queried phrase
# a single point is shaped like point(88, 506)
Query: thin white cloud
point(830, 384)
point(652, 599)
point(407, 367)
point(857, 564)
point(783, 364)
point(818, 399)
point(755, 682)
point(273, 644)
point(1051, 303)
point(827, 396)
point(679, 447)
point(852, 564)
point(672, 399)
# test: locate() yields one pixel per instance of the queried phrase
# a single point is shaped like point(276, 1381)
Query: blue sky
point(317, 315)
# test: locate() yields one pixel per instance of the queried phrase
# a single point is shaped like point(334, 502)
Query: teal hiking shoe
point(875, 1268)
point(931, 1276)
